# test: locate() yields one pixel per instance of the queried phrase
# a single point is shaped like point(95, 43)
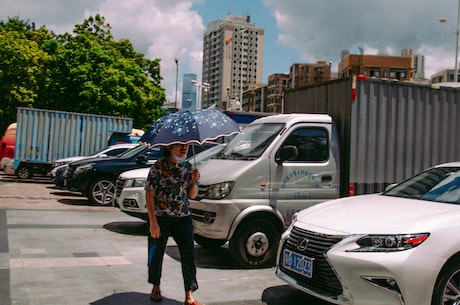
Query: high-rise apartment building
point(418, 73)
point(232, 58)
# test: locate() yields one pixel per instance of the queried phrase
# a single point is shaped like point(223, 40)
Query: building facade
point(277, 83)
point(379, 66)
point(307, 74)
point(444, 76)
point(232, 58)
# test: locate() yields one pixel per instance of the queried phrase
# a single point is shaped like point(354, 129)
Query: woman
point(171, 181)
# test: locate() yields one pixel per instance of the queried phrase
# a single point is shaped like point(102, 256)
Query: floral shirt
point(170, 182)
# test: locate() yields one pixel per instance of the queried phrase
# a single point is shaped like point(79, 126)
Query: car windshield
point(250, 144)
point(133, 151)
point(440, 184)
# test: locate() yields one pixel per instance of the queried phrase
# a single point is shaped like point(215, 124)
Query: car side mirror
point(287, 153)
point(141, 159)
point(3, 144)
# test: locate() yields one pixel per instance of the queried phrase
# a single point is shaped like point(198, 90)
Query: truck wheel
point(447, 285)
point(24, 172)
point(209, 243)
point(255, 244)
point(102, 192)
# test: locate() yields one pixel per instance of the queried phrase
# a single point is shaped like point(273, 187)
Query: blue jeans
point(181, 229)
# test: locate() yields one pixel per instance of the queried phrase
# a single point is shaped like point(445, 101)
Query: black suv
point(95, 178)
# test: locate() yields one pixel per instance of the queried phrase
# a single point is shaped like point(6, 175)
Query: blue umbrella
point(188, 127)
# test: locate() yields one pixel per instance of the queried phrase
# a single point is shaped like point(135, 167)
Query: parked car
point(95, 178)
point(130, 193)
point(7, 144)
point(397, 247)
point(60, 166)
point(8, 167)
point(111, 150)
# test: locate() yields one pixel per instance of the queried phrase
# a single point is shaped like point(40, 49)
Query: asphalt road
point(56, 248)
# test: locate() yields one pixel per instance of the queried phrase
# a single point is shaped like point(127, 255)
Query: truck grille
point(203, 216)
point(324, 281)
point(119, 187)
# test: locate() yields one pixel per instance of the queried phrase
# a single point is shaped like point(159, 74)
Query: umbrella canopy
point(196, 126)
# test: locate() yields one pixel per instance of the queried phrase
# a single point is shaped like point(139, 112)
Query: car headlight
point(138, 182)
point(56, 164)
point(390, 242)
point(219, 190)
point(83, 168)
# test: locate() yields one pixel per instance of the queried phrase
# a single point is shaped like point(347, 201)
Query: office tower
point(188, 91)
point(232, 58)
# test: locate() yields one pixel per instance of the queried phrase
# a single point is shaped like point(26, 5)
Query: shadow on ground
point(128, 227)
point(125, 298)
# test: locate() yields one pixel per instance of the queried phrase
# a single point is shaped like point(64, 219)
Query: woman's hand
point(195, 175)
point(154, 230)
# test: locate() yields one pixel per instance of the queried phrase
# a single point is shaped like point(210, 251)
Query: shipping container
point(388, 130)
point(43, 136)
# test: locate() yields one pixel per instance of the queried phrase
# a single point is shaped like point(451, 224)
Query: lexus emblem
point(302, 244)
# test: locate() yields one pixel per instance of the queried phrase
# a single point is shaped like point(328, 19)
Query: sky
point(296, 31)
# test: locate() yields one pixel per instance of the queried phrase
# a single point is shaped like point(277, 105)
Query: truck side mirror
point(287, 153)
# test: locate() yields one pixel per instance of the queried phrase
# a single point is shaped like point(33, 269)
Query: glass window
point(311, 142)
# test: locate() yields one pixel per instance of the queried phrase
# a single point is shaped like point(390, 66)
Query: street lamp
point(176, 60)
point(457, 32)
point(200, 87)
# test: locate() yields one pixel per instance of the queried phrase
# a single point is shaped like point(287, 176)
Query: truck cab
point(249, 192)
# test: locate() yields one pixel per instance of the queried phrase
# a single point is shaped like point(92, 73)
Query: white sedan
point(398, 247)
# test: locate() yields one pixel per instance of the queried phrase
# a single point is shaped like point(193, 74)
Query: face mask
point(179, 160)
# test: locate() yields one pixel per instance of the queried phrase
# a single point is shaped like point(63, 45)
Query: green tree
point(22, 67)
point(93, 73)
point(86, 71)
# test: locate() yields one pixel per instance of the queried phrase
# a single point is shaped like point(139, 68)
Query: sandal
point(193, 303)
point(155, 296)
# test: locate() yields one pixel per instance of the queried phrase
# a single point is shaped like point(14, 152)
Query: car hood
point(136, 173)
point(378, 214)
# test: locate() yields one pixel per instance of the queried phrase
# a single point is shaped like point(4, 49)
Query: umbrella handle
point(194, 159)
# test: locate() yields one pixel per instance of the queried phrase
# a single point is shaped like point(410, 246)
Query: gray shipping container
point(43, 136)
point(388, 130)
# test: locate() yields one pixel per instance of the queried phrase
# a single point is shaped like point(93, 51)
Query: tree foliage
point(86, 71)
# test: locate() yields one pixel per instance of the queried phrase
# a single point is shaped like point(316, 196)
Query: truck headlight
point(219, 190)
point(138, 182)
point(83, 168)
point(390, 242)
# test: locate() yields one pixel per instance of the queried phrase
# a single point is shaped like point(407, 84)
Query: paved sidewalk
point(56, 249)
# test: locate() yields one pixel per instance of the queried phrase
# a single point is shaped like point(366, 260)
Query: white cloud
point(160, 29)
point(307, 30)
point(320, 30)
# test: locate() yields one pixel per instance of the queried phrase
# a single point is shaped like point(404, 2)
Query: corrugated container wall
point(45, 135)
point(388, 130)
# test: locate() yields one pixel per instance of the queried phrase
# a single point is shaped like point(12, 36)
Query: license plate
point(298, 263)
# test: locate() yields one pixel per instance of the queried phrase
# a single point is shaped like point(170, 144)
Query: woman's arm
point(154, 228)
point(193, 190)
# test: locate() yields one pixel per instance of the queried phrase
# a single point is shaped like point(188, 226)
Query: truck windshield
point(252, 142)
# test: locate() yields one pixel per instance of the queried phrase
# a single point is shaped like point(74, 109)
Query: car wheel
point(24, 172)
point(209, 243)
point(102, 192)
point(255, 244)
point(447, 285)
